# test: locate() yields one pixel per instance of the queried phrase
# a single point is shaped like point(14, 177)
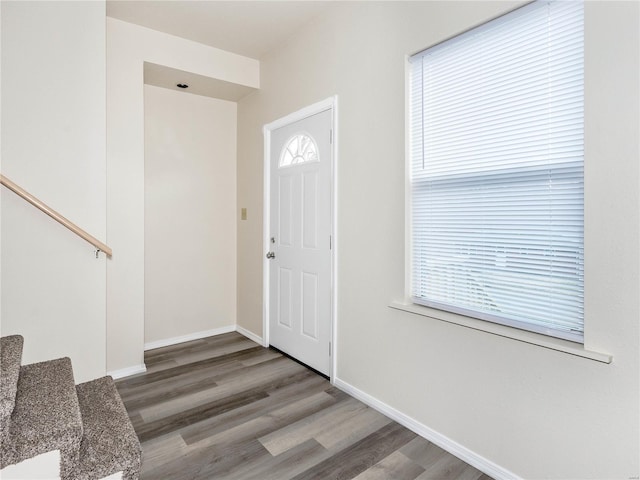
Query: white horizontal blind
point(497, 171)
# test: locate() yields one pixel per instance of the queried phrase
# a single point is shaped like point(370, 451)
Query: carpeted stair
point(41, 410)
point(10, 358)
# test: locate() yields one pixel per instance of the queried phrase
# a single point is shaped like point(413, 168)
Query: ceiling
point(249, 28)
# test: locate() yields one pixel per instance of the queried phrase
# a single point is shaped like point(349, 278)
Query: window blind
point(497, 149)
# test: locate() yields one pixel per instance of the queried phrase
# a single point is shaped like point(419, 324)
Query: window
point(299, 149)
point(497, 149)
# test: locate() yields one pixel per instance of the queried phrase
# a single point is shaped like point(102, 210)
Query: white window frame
point(452, 317)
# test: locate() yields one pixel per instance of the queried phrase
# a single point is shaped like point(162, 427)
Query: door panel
point(285, 201)
point(300, 230)
point(285, 306)
point(309, 210)
point(310, 305)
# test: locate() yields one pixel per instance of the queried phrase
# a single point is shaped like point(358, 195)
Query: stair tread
point(110, 443)
point(46, 416)
point(10, 360)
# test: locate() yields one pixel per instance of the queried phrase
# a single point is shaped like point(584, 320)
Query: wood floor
point(225, 408)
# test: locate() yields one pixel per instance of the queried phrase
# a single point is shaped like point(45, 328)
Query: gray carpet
point(10, 359)
point(46, 415)
point(110, 444)
point(41, 410)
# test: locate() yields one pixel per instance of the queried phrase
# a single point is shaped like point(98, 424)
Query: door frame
point(330, 103)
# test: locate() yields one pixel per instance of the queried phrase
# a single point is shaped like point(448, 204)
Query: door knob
point(271, 255)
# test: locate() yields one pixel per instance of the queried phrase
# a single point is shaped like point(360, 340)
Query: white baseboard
point(250, 335)
point(128, 371)
point(187, 338)
point(115, 476)
point(45, 466)
point(463, 453)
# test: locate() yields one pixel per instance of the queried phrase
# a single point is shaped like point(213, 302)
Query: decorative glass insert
point(299, 149)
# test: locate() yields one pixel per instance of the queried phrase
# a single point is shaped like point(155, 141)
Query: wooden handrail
point(21, 192)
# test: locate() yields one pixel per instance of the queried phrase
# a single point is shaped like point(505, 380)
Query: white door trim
point(330, 103)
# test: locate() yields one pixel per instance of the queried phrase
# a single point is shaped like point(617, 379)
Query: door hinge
point(331, 136)
point(330, 243)
point(329, 348)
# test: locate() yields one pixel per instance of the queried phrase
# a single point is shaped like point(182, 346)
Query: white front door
point(300, 240)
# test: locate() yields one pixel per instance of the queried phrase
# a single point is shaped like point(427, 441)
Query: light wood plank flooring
point(225, 408)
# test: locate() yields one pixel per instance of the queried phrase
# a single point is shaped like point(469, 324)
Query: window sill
point(508, 332)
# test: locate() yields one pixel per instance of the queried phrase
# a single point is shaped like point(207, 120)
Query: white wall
point(128, 47)
point(190, 214)
point(53, 145)
point(533, 411)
